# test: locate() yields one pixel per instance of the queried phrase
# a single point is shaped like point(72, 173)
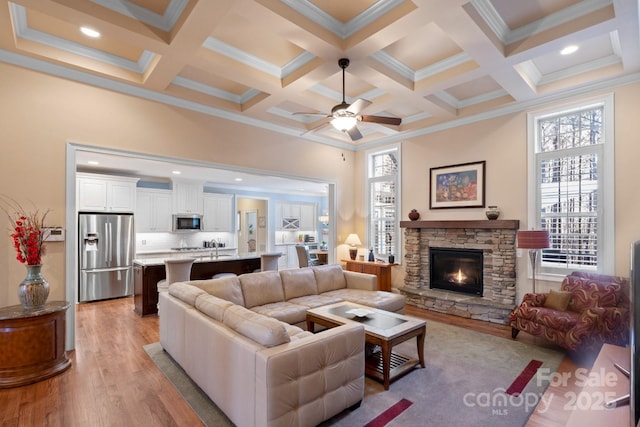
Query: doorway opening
point(252, 225)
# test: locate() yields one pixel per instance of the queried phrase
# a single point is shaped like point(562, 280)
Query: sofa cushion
point(185, 292)
point(557, 300)
point(553, 319)
point(261, 329)
point(261, 288)
point(378, 299)
point(329, 277)
point(227, 288)
point(296, 333)
point(284, 311)
point(298, 282)
point(311, 301)
point(213, 307)
point(591, 291)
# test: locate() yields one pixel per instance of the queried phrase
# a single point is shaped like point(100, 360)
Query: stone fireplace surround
point(495, 238)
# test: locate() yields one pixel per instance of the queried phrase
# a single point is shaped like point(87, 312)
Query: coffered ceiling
point(432, 63)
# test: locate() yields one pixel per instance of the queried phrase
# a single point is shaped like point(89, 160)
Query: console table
point(381, 269)
point(32, 343)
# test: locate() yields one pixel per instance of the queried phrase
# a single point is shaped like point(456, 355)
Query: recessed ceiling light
point(176, 172)
point(89, 32)
point(569, 50)
point(93, 162)
point(238, 179)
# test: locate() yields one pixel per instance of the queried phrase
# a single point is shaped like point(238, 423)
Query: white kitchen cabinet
point(218, 212)
point(187, 197)
point(289, 258)
point(105, 193)
point(153, 210)
point(308, 221)
point(296, 216)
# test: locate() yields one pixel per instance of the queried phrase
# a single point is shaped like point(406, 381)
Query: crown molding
point(163, 22)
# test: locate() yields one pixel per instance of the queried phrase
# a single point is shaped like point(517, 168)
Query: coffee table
point(382, 328)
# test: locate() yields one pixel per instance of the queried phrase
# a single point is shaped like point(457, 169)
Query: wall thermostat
point(53, 234)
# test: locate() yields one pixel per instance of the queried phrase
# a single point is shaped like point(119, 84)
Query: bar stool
point(176, 270)
point(269, 261)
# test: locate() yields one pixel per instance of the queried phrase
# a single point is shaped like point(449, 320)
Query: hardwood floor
point(112, 381)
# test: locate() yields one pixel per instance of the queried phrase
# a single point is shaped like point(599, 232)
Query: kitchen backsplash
point(161, 241)
point(293, 236)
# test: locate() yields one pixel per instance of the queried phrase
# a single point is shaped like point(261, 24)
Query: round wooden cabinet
point(32, 343)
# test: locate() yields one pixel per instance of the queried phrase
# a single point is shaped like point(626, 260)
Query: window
point(383, 187)
point(571, 181)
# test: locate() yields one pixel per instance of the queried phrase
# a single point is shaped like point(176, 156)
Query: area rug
point(465, 383)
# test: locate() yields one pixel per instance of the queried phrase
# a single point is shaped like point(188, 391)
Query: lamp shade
point(353, 240)
point(533, 239)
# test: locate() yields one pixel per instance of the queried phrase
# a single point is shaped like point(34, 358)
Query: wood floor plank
point(112, 381)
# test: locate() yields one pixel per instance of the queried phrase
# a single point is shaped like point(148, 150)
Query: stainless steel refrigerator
point(106, 249)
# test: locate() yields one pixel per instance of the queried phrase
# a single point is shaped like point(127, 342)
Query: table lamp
point(353, 240)
point(534, 240)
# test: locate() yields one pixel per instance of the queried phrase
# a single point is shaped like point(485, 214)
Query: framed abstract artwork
point(457, 186)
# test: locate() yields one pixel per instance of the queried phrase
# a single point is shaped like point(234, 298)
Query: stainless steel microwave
point(187, 222)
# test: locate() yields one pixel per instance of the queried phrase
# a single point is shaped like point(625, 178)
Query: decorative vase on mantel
point(414, 215)
point(34, 289)
point(492, 212)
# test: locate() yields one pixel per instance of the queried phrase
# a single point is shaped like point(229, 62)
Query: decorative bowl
point(359, 312)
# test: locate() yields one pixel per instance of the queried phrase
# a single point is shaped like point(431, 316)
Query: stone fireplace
point(491, 242)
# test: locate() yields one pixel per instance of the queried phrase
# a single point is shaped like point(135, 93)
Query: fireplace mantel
point(512, 224)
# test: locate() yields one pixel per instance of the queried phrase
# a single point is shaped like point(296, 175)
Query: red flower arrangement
point(27, 231)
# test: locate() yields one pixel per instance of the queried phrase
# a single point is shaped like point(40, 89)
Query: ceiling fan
point(344, 117)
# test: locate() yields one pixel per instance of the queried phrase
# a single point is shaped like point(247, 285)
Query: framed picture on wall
point(262, 222)
point(457, 186)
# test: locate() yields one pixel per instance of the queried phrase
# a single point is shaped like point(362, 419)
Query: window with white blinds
point(570, 175)
point(383, 174)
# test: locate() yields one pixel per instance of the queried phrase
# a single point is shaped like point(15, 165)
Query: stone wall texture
point(499, 271)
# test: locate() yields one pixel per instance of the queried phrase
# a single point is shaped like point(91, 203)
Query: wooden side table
point(381, 269)
point(32, 343)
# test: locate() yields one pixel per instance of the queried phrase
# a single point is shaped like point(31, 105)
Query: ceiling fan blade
point(358, 105)
point(354, 133)
point(318, 127)
point(382, 120)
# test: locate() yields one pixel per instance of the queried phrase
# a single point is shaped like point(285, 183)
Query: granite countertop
point(185, 250)
point(205, 257)
point(18, 312)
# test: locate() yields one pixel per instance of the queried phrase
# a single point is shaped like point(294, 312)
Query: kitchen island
point(149, 271)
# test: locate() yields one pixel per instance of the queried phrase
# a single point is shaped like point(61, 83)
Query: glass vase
point(34, 289)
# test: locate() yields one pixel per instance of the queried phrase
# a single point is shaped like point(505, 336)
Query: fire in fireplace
point(458, 270)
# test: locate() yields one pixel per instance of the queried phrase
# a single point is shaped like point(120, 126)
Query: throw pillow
point(557, 300)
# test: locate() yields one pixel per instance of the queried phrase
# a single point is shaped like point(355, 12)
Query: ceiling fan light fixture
point(343, 124)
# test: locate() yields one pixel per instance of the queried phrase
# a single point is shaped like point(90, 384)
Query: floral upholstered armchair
point(589, 310)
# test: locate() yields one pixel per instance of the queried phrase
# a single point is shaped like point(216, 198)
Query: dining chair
point(304, 258)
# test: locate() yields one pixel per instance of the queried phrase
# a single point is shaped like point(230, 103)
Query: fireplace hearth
point(456, 270)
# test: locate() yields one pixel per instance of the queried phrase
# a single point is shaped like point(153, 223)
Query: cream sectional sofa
point(288, 294)
point(237, 338)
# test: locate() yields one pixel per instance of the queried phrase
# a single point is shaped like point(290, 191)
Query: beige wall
point(502, 143)
point(41, 114)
